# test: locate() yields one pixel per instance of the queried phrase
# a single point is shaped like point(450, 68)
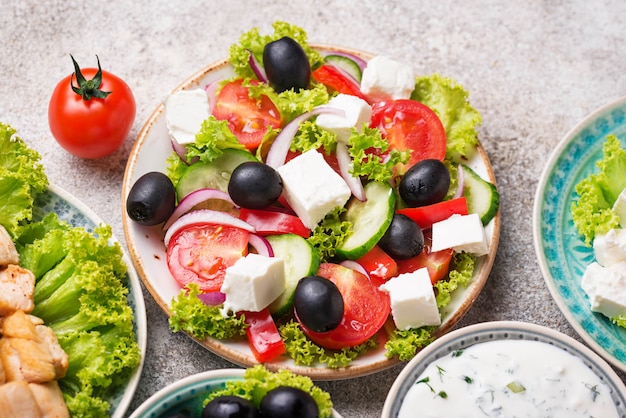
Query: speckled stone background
point(533, 68)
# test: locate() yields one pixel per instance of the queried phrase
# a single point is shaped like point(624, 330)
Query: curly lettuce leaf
point(329, 234)
point(460, 275)
point(258, 381)
point(592, 212)
point(450, 102)
point(403, 344)
point(22, 177)
point(289, 103)
point(370, 158)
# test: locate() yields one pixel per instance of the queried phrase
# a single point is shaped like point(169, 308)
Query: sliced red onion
point(345, 162)
point(257, 68)
point(194, 198)
point(279, 149)
point(205, 216)
point(460, 176)
point(351, 264)
point(212, 298)
point(211, 92)
point(359, 61)
point(261, 245)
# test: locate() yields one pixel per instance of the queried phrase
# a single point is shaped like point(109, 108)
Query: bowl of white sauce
point(505, 369)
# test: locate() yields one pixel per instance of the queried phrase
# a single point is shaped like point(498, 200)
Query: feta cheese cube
point(619, 207)
point(252, 283)
point(312, 188)
point(357, 112)
point(606, 288)
point(610, 248)
point(413, 302)
point(385, 78)
point(185, 111)
point(461, 233)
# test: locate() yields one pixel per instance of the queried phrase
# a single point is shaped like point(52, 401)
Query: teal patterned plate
point(562, 253)
point(76, 213)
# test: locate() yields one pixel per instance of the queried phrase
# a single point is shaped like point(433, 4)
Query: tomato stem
point(88, 89)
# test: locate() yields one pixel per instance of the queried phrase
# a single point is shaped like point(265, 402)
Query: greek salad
point(318, 204)
point(599, 215)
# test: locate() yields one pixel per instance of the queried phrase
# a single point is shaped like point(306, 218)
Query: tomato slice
point(380, 266)
point(269, 222)
point(366, 308)
point(247, 118)
point(201, 253)
point(410, 125)
point(426, 216)
point(437, 263)
point(336, 81)
point(263, 336)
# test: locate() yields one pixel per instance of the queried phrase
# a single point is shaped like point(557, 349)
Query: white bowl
point(498, 331)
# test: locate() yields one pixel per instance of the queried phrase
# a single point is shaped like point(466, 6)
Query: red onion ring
point(460, 175)
point(212, 298)
point(205, 216)
point(279, 149)
point(351, 264)
point(261, 245)
point(194, 198)
point(345, 162)
point(211, 91)
point(257, 68)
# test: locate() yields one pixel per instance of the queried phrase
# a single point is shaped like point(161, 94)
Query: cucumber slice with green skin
point(215, 174)
point(345, 64)
point(370, 219)
point(300, 259)
point(482, 197)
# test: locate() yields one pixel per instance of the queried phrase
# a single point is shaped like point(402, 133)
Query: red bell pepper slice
point(269, 222)
point(263, 336)
point(335, 80)
point(426, 216)
point(380, 266)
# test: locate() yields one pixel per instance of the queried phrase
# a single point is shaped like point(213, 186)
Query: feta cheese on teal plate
point(413, 301)
point(185, 111)
point(252, 283)
point(356, 112)
point(312, 188)
point(606, 288)
point(610, 248)
point(462, 233)
point(385, 78)
point(619, 207)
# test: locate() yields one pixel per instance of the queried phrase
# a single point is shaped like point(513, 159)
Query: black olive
point(230, 407)
point(152, 199)
point(425, 183)
point(288, 402)
point(254, 185)
point(318, 304)
point(286, 65)
point(403, 239)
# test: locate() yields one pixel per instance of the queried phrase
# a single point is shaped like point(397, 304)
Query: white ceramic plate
point(492, 331)
point(187, 395)
point(150, 152)
point(76, 213)
point(561, 251)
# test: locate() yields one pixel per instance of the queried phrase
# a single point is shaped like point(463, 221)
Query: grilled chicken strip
point(17, 285)
point(26, 360)
point(8, 253)
point(18, 401)
point(50, 400)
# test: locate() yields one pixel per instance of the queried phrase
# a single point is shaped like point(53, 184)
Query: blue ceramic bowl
point(561, 251)
point(465, 337)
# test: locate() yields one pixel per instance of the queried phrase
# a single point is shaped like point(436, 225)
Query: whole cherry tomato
point(92, 118)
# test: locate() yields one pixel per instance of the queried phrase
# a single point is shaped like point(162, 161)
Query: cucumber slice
point(345, 64)
point(215, 174)
point(301, 260)
point(482, 197)
point(370, 219)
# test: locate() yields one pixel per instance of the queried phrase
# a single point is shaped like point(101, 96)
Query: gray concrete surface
point(533, 68)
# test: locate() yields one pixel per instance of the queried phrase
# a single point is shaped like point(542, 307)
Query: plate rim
point(141, 322)
point(569, 136)
point(242, 359)
point(458, 337)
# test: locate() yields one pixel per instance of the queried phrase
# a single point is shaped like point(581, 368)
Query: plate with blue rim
point(561, 251)
point(76, 213)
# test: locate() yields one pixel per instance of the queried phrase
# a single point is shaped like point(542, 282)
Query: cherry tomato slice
point(269, 222)
point(336, 81)
point(410, 125)
point(263, 336)
point(380, 266)
point(201, 253)
point(426, 216)
point(366, 308)
point(247, 118)
point(437, 263)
